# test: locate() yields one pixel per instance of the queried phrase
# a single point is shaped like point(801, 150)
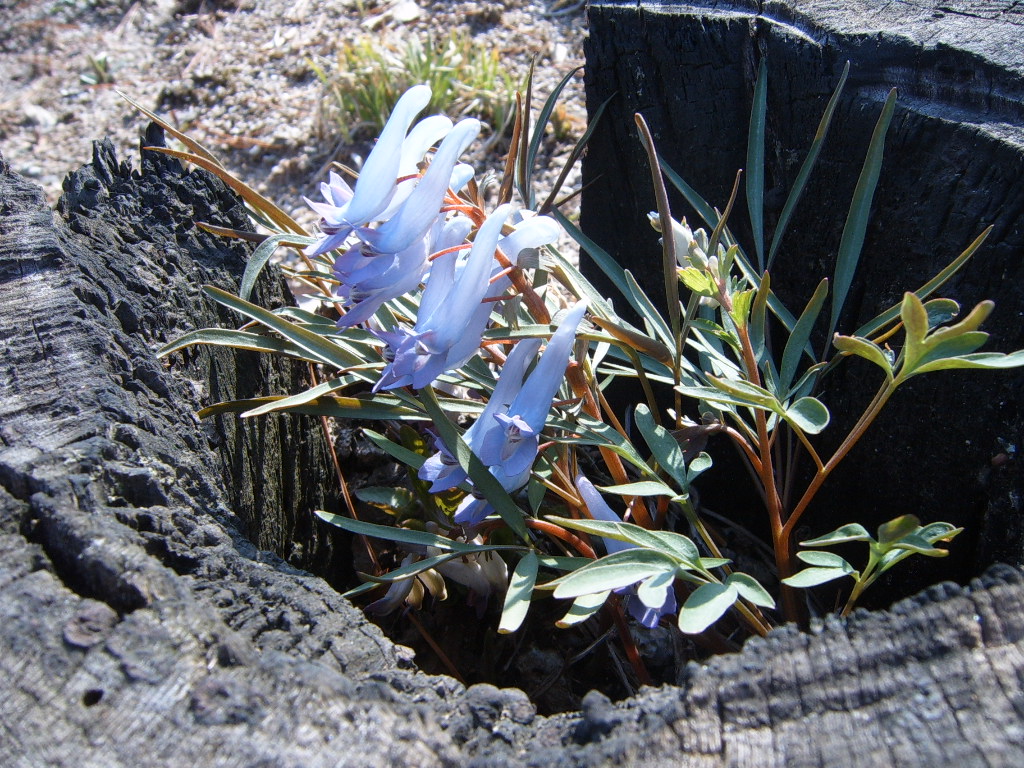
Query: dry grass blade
point(189, 142)
point(250, 195)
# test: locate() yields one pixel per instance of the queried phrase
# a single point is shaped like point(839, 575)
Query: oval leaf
point(750, 589)
point(706, 606)
point(808, 414)
point(583, 607)
point(619, 569)
point(851, 532)
point(811, 577)
point(824, 559)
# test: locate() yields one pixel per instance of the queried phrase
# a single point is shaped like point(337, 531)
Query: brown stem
point(561, 533)
point(580, 388)
point(629, 646)
point(856, 433)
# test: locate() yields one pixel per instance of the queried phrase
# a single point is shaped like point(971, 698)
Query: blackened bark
point(140, 626)
point(954, 163)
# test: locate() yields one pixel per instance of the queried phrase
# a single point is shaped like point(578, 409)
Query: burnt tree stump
point(954, 163)
point(143, 622)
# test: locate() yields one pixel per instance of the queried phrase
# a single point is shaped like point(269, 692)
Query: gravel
point(237, 77)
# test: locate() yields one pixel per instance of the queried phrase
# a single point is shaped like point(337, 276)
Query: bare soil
point(235, 75)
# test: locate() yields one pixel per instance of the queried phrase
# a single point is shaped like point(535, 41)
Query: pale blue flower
point(508, 443)
point(422, 354)
point(345, 209)
point(599, 510)
point(442, 469)
point(391, 260)
point(512, 441)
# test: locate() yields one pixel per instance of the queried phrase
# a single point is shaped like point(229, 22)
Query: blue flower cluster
point(397, 229)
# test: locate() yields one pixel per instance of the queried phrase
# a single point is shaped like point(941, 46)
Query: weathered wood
point(954, 163)
point(139, 626)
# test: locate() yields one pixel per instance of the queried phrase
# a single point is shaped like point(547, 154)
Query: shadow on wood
point(139, 625)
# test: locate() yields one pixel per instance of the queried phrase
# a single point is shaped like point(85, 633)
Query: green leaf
point(223, 337)
point(648, 311)
point(808, 414)
point(855, 345)
point(336, 407)
point(851, 532)
point(805, 169)
point(748, 393)
point(698, 281)
point(312, 343)
point(824, 559)
point(984, 360)
point(619, 569)
point(671, 544)
point(941, 311)
point(259, 260)
point(812, 577)
point(758, 317)
point(394, 450)
point(583, 607)
point(394, 499)
point(538, 132)
point(653, 591)
point(871, 326)
point(897, 528)
point(641, 488)
point(755, 162)
point(707, 563)
point(705, 606)
point(399, 535)
point(750, 589)
point(517, 598)
point(799, 338)
point(663, 445)
point(698, 203)
point(702, 463)
point(860, 211)
point(311, 394)
point(741, 303)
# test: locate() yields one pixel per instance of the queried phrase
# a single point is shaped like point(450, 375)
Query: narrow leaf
point(860, 211)
point(640, 488)
point(663, 445)
point(755, 162)
point(799, 337)
point(806, 168)
point(517, 598)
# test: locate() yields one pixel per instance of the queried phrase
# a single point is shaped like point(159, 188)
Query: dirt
point(235, 75)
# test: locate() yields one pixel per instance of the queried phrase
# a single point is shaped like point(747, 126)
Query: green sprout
point(465, 78)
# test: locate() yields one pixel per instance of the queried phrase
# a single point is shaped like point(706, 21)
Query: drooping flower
point(647, 615)
point(345, 208)
point(422, 354)
point(509, 441)
point(512, 441)
point(442, 470)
